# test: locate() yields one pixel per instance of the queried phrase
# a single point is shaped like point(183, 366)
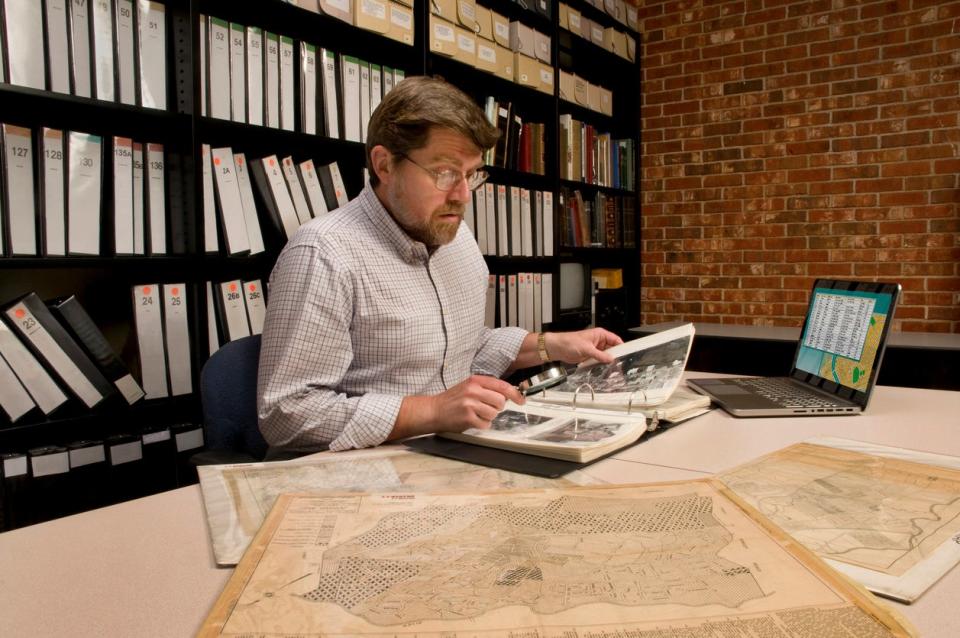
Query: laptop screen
point(843, 336)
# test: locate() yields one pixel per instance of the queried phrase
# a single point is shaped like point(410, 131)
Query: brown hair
point(402, 121)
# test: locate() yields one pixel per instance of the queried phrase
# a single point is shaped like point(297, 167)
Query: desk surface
point(145, 567)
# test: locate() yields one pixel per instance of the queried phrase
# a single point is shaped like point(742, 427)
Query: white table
point(145, 567)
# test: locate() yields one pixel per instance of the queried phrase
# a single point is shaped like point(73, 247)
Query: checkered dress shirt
point(359, 316)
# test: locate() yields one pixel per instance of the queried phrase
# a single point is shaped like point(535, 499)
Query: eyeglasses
point(447, 179)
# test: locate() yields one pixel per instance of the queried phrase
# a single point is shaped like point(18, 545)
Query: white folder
point(376, 87)
point(516, 214)
point(58, 46)
point(238, 73)
point(151, 18)
point(308, 88)
point(339, 189)
point(24, 34)
point(364, 98)
point(512, 302)
point(503, 219)
point(210, 242)
point(232, 219)
point(18, 185)
point(213, 339)
point(103, 50)
point(84, 152)
point(387, 80)
point(148, 319)
point(256, 308)
point(271, 82)
point(38, 383)
point(286, 84)
point(547, 298)
point(54, 200)
point(296, 191)
point(521, 296)
point(502, 300)
point(537, 302)
point(526, 224)
point(14, 398)
point(126, 73)
point(491, 193)
point(156, 199)
point(548, 225)
point(537, 205)
point(80, 48)
point(177, 338)
point(277, 184)
point(139, 222)
point(311, 186)
point(123, 195)
point(331, 105)
point(204, 68)
point(350, 73)
point(255, 76)
point(250, 218)
point(218, 68)
point(234, 310)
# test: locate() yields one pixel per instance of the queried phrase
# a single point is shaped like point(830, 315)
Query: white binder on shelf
point(58, 46)
point(308, 88)
point(387, 80)
point(254, 235)
point(537, 302)
point(296, 191)
point(255, 303)
point(546, 316)
point(526, 224)
point(364, 98)
point(311, 186)
point(84, 153)
point(376, 87)
point(331, 103)
point(334, 192)
point(537, 205)
point(350, 74)
point(218, 68)
point(204, 68)
point(233, 310)
point(491, 197)
point(271, 80)
point(126, 71)
point(14, 398)
point(213, 338)
point(516, 214)
point(53, 176)
point(503, 222)
point(211, 243)
point(548, 224)
point(103, 63)
point(139, 221)
point(148, 319)
point(238, 73)
point(80, 48)
point(123, 196)
point(35, 379)
point(479, 197)
point(177, 338)
point(274, 190)
point(255, 76)
point(18, 186)
point(287, 80)
point(232, 219)
point(25, 58)
point(156, 199)
point(513, 315)
point(152, 23)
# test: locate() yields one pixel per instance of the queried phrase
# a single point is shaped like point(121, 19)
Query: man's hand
point(472, 403)
point(574, 347)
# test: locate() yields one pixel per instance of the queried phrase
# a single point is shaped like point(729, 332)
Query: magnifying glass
point(554, 375)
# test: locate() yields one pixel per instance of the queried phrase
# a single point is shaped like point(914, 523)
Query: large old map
point(888, 517)
point(569, 562)
point(238, 497)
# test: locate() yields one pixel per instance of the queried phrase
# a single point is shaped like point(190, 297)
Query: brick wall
point(784, 141)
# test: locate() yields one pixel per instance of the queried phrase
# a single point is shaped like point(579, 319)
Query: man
point(374, 330)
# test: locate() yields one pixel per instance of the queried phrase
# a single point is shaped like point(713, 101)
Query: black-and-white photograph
point(650, 369)
point(578, 429)
point(510, 420)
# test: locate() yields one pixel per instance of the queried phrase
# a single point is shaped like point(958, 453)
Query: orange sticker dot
point(271, 162)
point(146, 290)
point(233, 287)
point(175, 291)
point(239, 160)
point(216, 161)
point(20, 313)
point(253, 287)
point(309, 166)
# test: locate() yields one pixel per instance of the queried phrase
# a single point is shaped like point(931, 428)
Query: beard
point(438, 230)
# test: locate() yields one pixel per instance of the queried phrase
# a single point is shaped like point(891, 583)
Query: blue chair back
point(228, 392)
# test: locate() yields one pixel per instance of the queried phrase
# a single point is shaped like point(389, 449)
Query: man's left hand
point(574, 347)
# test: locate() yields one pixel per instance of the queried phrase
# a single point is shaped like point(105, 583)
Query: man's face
point(425, 212)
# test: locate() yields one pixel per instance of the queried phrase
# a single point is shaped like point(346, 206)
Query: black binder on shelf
point(188, 440)
point(49, 482)
point(14, 496)
point(159, 459)
point(88, 475)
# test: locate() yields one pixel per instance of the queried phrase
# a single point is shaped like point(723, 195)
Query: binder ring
point(630, 400)
point(654, 422)
point(577, 391)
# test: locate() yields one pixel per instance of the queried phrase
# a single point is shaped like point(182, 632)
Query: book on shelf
point(599, 407)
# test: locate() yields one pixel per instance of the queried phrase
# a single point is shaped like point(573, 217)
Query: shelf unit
point(103, 283)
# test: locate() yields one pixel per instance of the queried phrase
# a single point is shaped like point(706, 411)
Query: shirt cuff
point(371, 423)
point(499, 351)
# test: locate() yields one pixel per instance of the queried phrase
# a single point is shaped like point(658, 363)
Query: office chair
point(228, 393)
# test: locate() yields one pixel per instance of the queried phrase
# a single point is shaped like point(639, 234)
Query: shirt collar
point(410, 250)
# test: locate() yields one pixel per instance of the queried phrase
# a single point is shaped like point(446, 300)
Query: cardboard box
point(596, 33)
point(526, 71)
point(593, 97)
point(467, 15)
point(621, 12)
point(466, 47)
point(504, 63)
point(610, 8)
point(575, 20)
point(546, 78)
point(608, 36)
point(484, 23)
point(486, 56)
point(632, 17)
point(541, 46)
point(443, 36)
point(620, 44)
point(401, 23)
point(564, 17)
point(606, 101)
point(339, 9)
point(408, 3)
point(567, 81)
point(522, 39)
point(581, 91)
point(371, 15)
point(446, 9)
point(631, 48)
point(501, 29)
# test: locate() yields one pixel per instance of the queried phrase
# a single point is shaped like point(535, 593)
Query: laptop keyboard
point(785, 393)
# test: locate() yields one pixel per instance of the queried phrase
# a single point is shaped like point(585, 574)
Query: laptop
point(837, 359)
